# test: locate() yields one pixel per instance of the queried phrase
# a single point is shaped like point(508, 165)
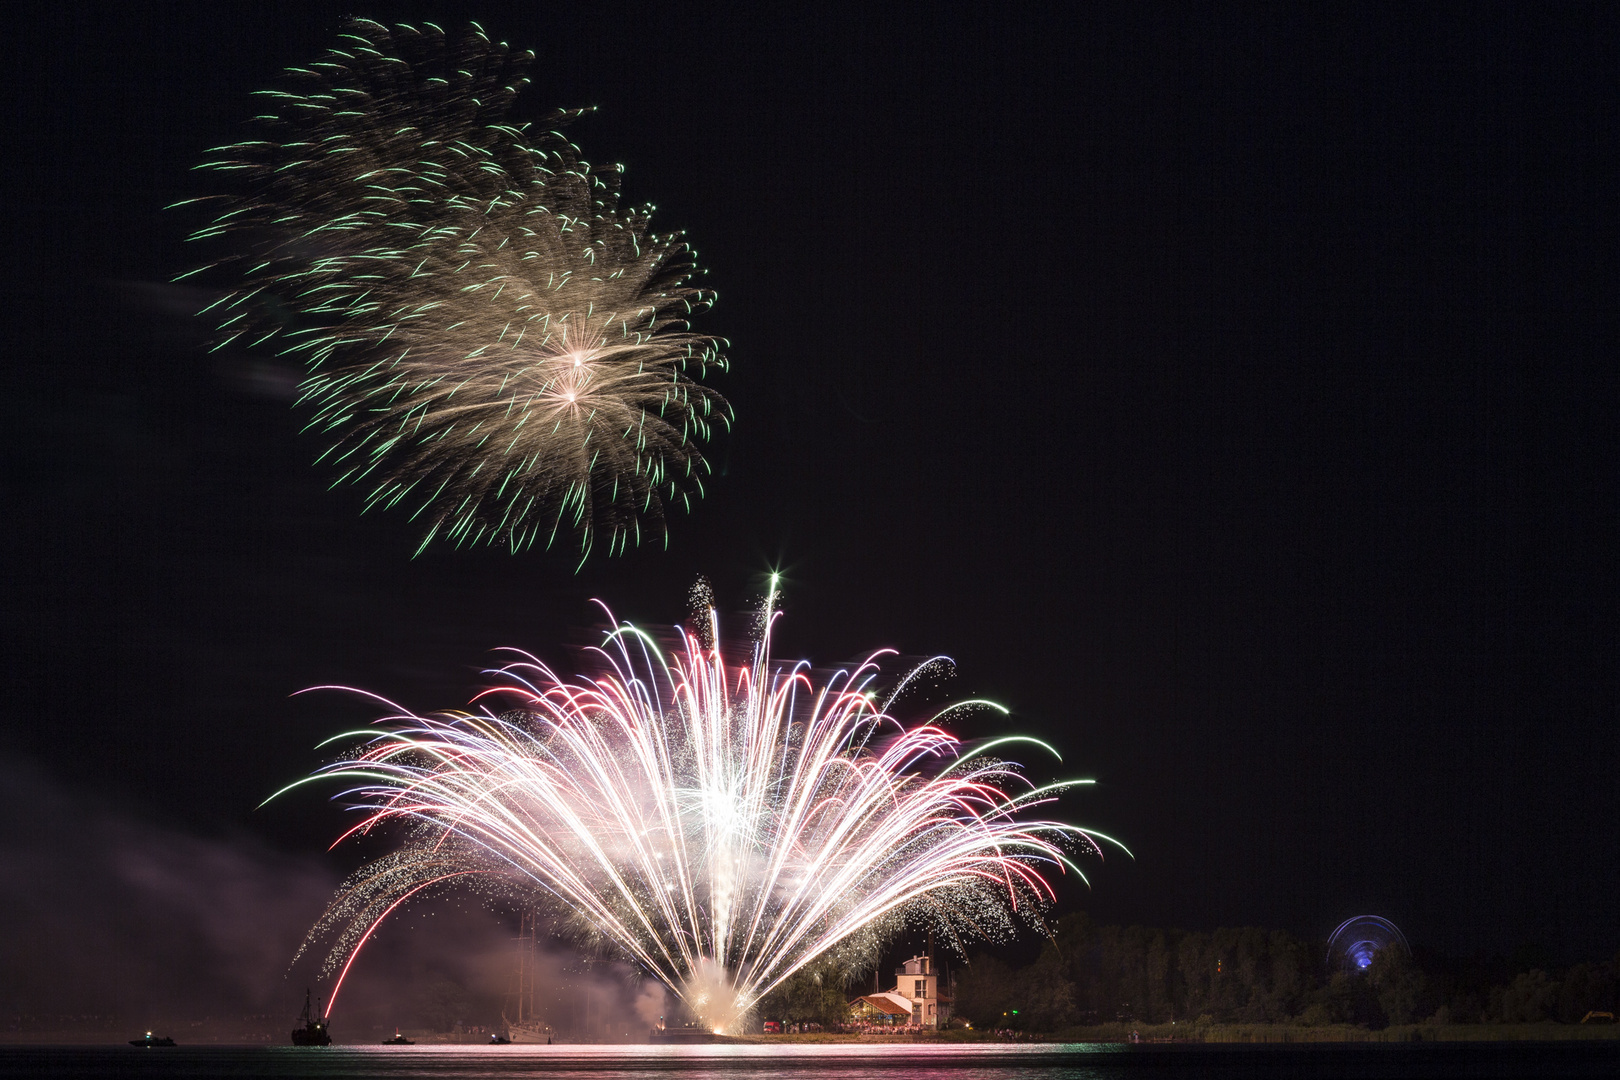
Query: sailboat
point(312, 1031)
point(524, 1025)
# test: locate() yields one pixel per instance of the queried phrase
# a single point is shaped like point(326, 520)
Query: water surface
point(1056, 1061)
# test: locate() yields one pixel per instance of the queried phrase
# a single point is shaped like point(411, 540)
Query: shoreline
point(1190, 1034)
point(1150, 1035)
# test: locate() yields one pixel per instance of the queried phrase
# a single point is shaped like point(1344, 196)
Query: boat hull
point(684, 1035)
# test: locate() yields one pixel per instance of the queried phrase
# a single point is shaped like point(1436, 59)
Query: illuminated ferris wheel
point(1356, 941)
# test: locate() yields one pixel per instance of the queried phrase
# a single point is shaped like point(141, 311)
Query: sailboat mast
point(529, 947)
point(523, 966)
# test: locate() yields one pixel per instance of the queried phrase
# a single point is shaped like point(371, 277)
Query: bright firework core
point(718, 825)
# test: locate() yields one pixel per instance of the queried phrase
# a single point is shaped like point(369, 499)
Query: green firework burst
point(491, 341)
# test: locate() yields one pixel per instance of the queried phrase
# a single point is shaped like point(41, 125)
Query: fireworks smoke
point(719, 825)
point(491, 340)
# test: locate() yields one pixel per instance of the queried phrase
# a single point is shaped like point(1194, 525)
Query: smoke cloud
point(115, 926)
point(112, 921)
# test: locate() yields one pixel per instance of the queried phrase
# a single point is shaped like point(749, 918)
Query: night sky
point(1230, 391)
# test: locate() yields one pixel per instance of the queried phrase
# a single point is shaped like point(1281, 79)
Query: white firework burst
point(719, 825)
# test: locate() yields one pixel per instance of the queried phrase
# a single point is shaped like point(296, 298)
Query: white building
point(917, 980)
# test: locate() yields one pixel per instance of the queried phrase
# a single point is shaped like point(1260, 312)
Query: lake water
point(1071, 1061)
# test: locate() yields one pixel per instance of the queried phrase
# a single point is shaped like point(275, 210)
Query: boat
point(525, 1027)
point(313, 1031)
point(684, 1034)
point(398, 1040)
point(152, 1040)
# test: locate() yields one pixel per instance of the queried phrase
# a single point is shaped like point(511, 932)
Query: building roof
point(917, 965)
point(887, 1002)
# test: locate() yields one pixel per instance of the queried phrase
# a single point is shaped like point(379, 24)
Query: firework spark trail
point(490, 338)
point(720, 825)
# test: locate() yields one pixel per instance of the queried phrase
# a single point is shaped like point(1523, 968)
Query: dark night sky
point(1230, 390)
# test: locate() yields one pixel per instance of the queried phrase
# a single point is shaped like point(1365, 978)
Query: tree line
point(1089, 974)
